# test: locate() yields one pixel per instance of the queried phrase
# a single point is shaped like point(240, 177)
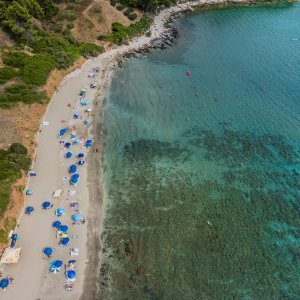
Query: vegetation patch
point(6, 74)
point(113, 2)
point(120, 7)
point(121, 33)
point(12, 162)
point(25, 93)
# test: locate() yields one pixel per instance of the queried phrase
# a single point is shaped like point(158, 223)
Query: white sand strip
point(31, 273)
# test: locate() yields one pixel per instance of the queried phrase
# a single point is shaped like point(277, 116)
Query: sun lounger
point(69, 287)
point(74, 252)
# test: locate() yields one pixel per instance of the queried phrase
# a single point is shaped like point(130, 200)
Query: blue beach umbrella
point(64, 241)
point(76, 217)
point(81, 162)
point(29, 192)
point(88, 143)
point(4, 283)
point(72, 261)
point(55, 266)
point(29, 209)
point(47, 251)
point(68, 154)
point(56, 224)
point(76, 141)
point(58, 263)
point(84, 102)
point(60, 211)
point(72, 169)
point(67, 145)
point(63, 131)
point(63, 228)
point(80, 155)
point(46, 204)
point(71, 274)
point(75, 176)
point(74, 181)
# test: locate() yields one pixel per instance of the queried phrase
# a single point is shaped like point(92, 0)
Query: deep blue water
point(202, 172)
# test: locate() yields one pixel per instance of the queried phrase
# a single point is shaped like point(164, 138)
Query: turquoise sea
point(202, 172)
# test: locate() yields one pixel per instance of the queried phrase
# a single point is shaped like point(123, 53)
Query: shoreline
point(113, 57)
point(91, 185)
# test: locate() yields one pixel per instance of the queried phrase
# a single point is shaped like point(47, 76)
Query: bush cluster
point(21, 93)
point(16, 16)
point(66, 15)
point(128, 11)
point(120, 7)
point(33, 70)
point(147, 5)
point(132, 17)
point(6, 74)
point(12, 162)
point(121, 33)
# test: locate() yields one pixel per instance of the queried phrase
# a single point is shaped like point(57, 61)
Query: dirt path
point(88, 17)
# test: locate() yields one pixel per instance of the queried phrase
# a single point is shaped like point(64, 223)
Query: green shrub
point(128, 11)
point(66, 32)
point(63, 59)
point(93, 50)
point(32, 69)
point(120, 7)
point(25, 93)
point(57, 27)
point(3, 234)
point(37, 69)
point(121, 33)
point(17, 148)
point(48, 8)
point(6, 74)
point(102, 37)
point(11, 163)
point(132, 17)
point(14, 59)
point(59, 48)
point(113, 2)
point(21, 162)
point(66, 15)
point(70, 26)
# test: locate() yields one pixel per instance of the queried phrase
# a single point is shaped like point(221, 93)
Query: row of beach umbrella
point(56, 265)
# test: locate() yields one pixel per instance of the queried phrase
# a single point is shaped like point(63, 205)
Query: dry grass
point(97, 19)
point(56, 76)
point(22, 123)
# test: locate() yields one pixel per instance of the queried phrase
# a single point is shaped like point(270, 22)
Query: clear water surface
point(202, 173)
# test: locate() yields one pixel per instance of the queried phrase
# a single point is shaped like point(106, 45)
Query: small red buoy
point(188, 73)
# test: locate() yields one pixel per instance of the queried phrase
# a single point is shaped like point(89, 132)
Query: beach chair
point(74, 252)
point(69, 287)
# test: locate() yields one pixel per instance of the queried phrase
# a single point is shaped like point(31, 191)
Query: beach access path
point(32, 279)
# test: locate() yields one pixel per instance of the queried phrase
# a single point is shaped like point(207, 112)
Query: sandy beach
point(32, 279)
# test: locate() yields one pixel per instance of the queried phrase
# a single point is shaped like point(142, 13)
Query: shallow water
point(202, 172)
